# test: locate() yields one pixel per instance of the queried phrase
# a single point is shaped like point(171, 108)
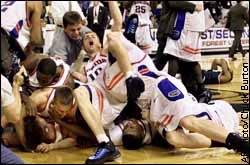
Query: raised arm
point(116, 16)
point(36, 8)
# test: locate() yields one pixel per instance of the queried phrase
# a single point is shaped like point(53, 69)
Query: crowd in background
point(218, 10)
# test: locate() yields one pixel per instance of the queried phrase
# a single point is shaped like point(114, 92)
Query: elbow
point(15, 119)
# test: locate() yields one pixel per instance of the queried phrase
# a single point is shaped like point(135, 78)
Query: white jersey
point(95, 66)
point(113, 80)
point(143, 10)
point(188, 47)
point(195, 21)
point(15, 20)
point(143, 33)
point(65, 73)
point(101, 104)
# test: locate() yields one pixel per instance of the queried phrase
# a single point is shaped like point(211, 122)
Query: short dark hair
point(33, 133)
point(71, 18)
point(132, 142)
point(47, 66)
point(64, 95)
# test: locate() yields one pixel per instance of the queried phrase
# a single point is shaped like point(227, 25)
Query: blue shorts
point(211, 76)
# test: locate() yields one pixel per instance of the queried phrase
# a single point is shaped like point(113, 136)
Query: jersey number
point(5, 5)
point(140, 9)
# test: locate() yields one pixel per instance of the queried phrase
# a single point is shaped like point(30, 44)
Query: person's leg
point(216, 133)
point(235, 45)
point(243, 52)
point(135, 86)
point(8, 157)
point(106, 150)
point(160, 59)
point(179, 139)
point(173, 65)
point(227, 73)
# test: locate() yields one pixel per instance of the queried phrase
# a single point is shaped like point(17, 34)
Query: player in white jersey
point(22, 20)
point(188, 47)
point(46, 71)
point(143, 35)
point(90, 71)
point(168, 97)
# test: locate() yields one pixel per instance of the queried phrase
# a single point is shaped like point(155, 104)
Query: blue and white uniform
point(15, 19)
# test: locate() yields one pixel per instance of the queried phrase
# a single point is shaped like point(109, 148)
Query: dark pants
point(191, 74)
point(9, 157)
point(160, 59)
point(236, 43)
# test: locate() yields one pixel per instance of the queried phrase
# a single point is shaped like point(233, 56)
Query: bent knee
point(191, 123)
point(171, 139)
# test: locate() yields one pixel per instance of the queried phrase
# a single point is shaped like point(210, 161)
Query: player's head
point(72, 23)
point(91, 42)
point(133, 134)
point(9, 137)
point(6, 60)
point(63, 101)
point(46, 71)
point(38, 130)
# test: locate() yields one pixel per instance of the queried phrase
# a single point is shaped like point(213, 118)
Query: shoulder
point(81, 92)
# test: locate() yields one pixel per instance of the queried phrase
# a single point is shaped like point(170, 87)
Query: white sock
point(129, 73)
point(102, 138)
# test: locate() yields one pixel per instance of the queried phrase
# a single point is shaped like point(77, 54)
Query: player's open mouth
point(91, 43)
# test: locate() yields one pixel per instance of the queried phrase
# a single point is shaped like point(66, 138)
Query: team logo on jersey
point(169, 90)
point(174, 93)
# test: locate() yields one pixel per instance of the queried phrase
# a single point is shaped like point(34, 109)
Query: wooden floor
point(156, 155)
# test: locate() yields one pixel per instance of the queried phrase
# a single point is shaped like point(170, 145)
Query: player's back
point(13, 16)
point(143, 10)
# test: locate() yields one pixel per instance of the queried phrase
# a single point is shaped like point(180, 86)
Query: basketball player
point(163, 91)
point(87, 107)
point(214, 76)
point(92, 46)
point(22, 20)
point(143, 35)
point(41, 135)
point(132, 133)
point(44, 71)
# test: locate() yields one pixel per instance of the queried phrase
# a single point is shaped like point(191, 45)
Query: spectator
point(67, 42)
point(237, 17)
point(98, 19)
point(59, 8)
point(84, 5)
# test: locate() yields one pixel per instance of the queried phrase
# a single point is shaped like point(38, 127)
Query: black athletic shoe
point(104, 153)
point(205, 97)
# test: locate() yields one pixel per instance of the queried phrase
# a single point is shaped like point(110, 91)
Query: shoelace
point(98, 150)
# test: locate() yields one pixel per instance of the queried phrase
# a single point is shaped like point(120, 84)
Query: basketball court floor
point(230, 92)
